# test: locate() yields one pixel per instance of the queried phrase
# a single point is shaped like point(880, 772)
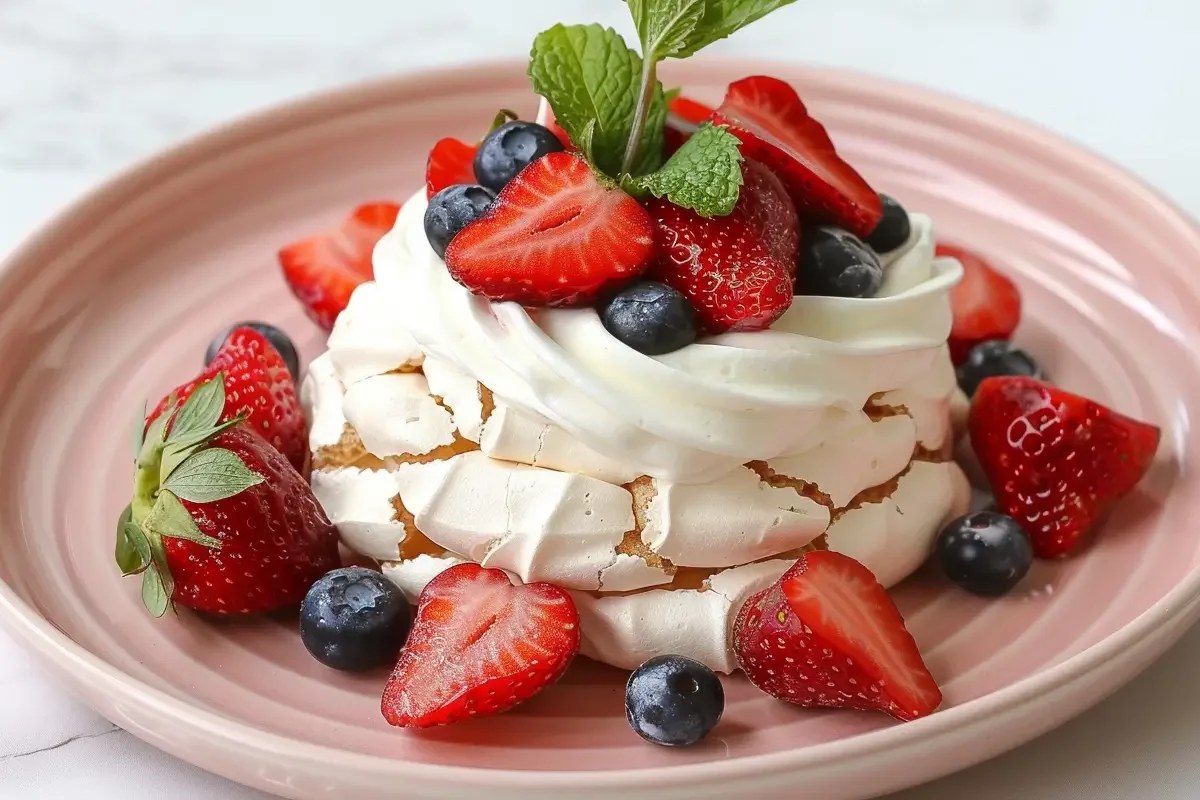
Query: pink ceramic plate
point(115, 300)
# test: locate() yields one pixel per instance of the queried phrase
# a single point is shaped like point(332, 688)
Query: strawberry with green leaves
point(220, 522)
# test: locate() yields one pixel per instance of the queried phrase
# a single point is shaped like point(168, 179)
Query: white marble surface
point(88, 86)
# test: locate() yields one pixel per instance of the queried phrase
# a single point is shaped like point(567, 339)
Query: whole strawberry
point(736, 270)
point(1057, 462)
point(479, 646)
point(259, 386)
point(220, 521)
point(827, 635)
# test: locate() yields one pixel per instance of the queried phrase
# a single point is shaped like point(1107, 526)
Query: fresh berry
point(985, 553)
point(735, 269)
point(479, 646)
point(511, 148)
point(220, 522)
point(324, 270)
point(260, 386)
point(774, 127)
point(893, 228)
point(1057, 462)
point(684, 115)
point(450, 161)
point(986, 304)
point(554, 237)
point(652, 318)
point(827, 634)
point(278, 339)
point(451, 210)
point(836, 263)
point(673, 700)
point(354, 618)
point(992, 359)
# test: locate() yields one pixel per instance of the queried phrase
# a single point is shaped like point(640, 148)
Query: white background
point(88, 86)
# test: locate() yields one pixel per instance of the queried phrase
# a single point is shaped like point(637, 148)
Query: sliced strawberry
point(479, 646)
point(985, 303)
point(736, 270)
point(1057, 463)
point(827, 634)
point(768, 117)
point(259, 385)
point(323, 270)
point(553, 237)
point(684, 115)
point(450, 161)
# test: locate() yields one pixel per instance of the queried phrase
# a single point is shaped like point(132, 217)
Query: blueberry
point(651, 318)
point(985, 553)
point(511, 148)
point(354, 618)
point(673, 700)
point(278, 339)
point(992, 359)
point(451, 210)
point(893, 229)
point(836, 263)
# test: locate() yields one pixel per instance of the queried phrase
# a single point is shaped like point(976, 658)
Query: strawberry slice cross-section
point(555, 236)
point(774, 127)
point(828, 635)
point(479, 646)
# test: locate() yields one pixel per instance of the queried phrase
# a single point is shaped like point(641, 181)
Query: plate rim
point(1179, 606)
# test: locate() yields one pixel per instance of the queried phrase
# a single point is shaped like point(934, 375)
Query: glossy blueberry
point(278, 339)
point(893, 229)
point(451, 210)
point(985, 553)
point(673, 700)
point(354, 618)
point(836, 263)
point(652, 318)
point(511, 148)
point(992, 359)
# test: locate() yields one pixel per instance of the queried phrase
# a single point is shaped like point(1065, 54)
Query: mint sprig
point(609, 99)
point(588, 74)
point(705, 174)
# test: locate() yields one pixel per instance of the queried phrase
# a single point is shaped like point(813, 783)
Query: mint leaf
point(705, 174)
point(722, 18)
point(133, 550)
point(586, 73)
point(169, 519)
point(211, 475)
point(666, 26)
point(201, 410)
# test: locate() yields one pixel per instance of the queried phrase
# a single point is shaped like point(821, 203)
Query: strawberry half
point(450, 161)
point(220, 522)
point(479, 646)
point(684, 115)
point(554, 236)
point(985, 303)
point(263, 391)
point(324, 270)
point(827, 634)
point(736, 270)
point(1057, 462)
point(774, 127)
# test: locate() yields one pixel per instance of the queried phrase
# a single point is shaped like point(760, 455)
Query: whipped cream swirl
point(695, 414)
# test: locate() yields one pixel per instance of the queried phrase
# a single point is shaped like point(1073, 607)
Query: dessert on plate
point(664, 384)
